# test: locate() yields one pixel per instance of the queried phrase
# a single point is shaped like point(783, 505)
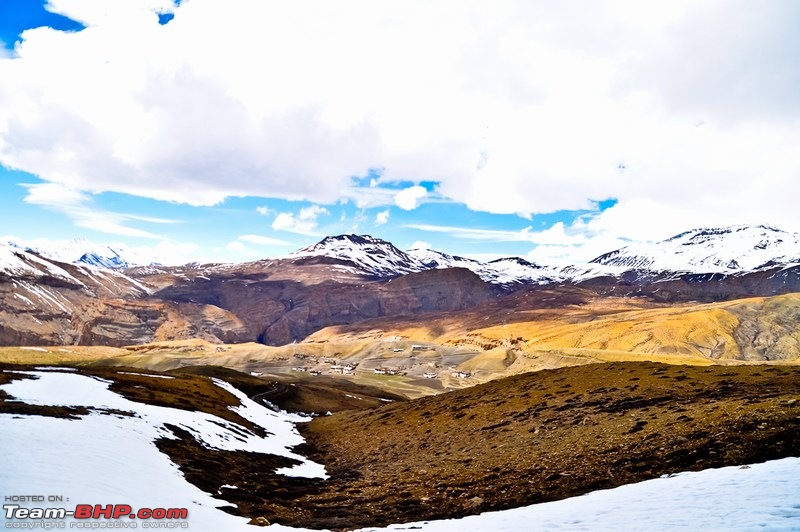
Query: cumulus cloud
point(382, 217)
point(408, 198)
point(512, 107)
point(304, 223)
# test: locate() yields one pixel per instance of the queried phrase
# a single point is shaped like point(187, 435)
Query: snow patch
point(762, 497)
point(145, 375)
point(103, 458)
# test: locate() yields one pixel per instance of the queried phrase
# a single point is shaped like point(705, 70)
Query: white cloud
point(513, 107)
point(166, 252)
point(264, 240)
point(78, 207)
point(304, 223)
point(382, 217)
point(236, 247)
point(263, 210)
point(497, 235)
point(579, 242)
point(420, 244)
point(408, 198)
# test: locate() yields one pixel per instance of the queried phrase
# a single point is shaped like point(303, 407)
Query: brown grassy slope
point(545, 436)
point(514, 441)
point(762, 328)
point(318, 395)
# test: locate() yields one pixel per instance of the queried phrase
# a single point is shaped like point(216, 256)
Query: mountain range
point(727, 250)
point(72, 296)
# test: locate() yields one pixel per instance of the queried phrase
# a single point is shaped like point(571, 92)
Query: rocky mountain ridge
point(347, 279)
point(731, 250)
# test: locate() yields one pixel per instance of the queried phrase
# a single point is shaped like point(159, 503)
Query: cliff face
point(277, 312)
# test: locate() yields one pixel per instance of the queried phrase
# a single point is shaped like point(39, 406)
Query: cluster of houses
point(388, 371)
point(344, 369)
point(349, 368)
point(418, 347)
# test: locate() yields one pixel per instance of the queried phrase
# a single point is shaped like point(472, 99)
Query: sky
point(238, 130)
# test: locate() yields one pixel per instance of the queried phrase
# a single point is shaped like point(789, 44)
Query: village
point(392, 365)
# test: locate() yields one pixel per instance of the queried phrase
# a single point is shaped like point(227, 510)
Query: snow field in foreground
point(104, 458)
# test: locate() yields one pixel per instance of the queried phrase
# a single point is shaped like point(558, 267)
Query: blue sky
point(551, 132)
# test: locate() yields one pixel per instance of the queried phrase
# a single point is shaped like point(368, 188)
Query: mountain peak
point(373, 256)
point(515, 260)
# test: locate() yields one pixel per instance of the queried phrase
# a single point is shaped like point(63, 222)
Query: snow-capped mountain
point(17, 263)
point(111, 259)
point(79, 251)
point(505, 272)
point(371, 255)
point(380, 258)
point(727, 250)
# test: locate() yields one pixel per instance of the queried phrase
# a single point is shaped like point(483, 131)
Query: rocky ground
point(516, 441)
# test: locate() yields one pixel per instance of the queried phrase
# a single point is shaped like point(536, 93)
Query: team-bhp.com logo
point(93, 516)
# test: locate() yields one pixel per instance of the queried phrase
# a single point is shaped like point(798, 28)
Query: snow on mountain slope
point(726, 250)
point(514, 270)
point(39, 274)
point(505, 271)
point(79, 251)
point(371, 255)
point(16, 263)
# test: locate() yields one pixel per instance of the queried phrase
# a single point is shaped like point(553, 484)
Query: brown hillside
point(516, 441)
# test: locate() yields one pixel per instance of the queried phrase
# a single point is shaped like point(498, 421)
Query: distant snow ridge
point(111, 260)
point(734, 249)
point(17, 263)
point(79, 251)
